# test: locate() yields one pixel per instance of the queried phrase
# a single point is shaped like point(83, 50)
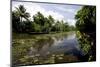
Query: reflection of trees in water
point(49, 39)
point(40, 43)
point(35, 51)
point(60, 37)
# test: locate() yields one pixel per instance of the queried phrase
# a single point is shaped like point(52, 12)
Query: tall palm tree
point(22, 12)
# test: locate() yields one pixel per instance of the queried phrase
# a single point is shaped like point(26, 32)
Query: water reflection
point(48, 48)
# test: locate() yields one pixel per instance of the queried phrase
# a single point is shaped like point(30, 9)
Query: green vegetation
point(40, 24)
point(86, 26)
point(32, 34)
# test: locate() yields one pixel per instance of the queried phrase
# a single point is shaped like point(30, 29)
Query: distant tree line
point(22, 24)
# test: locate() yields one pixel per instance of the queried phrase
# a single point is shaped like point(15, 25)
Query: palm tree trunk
point(20, 19)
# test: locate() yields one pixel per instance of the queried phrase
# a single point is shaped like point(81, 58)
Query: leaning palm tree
point(22, 12)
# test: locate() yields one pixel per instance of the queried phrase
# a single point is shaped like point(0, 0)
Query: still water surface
point(52, 48)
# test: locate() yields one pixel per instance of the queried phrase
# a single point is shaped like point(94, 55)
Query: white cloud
point(71, 21)
point(33, 8)
point(55, 15)
point(70, 10)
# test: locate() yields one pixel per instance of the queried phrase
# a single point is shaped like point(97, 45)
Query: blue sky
point(58, 11)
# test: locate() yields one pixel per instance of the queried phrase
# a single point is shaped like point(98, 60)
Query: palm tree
point(22, 12)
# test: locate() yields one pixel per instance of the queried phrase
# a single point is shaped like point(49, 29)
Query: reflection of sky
point(58, 11)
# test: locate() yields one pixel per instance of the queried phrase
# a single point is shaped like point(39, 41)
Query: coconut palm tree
point(22, 12)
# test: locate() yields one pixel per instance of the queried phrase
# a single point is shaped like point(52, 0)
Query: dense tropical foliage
point(39, 24)
point(21, 22)
point(86, 26)
point(33, 33)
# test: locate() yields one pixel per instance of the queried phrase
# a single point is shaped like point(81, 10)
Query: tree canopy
point(40, 23)
point(86, 19)
point(86, 26)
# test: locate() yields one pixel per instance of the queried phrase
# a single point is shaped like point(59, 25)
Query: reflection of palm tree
point(32, 51)
point(22, 13)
